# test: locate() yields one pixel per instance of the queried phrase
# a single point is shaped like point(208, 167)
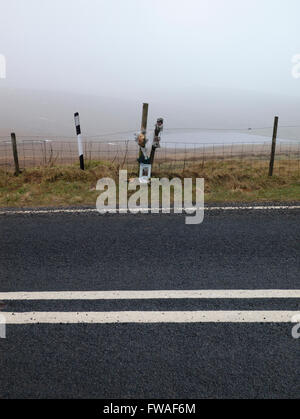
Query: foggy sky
point(152, 50)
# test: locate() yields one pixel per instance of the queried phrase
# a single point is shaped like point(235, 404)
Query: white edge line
point(147, 210)
point(155, 294)
point(152, 317)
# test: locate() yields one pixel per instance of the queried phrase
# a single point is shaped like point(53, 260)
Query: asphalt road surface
point(153, 346)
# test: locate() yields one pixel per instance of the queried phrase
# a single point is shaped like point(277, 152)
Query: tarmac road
point(231, 250)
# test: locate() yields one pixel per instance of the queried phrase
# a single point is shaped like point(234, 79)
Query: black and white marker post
point(79, 139)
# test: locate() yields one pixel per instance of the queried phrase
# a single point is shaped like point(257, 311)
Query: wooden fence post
point(144, 123)
point(15, 153)
point(145, 117)
point(156, 139)
point(272, 158)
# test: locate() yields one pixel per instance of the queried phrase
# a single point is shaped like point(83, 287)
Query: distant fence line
point(37, 152)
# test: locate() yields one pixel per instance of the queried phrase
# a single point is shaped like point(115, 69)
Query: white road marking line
point(157, 294)
point(151, 317)
point(124, 211)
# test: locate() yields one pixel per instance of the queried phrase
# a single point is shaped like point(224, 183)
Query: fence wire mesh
point(40, 152)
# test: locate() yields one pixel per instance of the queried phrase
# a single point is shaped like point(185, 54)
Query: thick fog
point(199, 63)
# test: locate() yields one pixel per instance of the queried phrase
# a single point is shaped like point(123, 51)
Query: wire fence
point(38, 152)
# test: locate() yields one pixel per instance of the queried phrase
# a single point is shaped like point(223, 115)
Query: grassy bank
point(225, 181)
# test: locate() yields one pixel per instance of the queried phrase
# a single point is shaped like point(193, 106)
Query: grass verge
point(225, 181)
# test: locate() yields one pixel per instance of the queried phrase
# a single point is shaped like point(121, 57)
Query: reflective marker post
point(79, 139)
